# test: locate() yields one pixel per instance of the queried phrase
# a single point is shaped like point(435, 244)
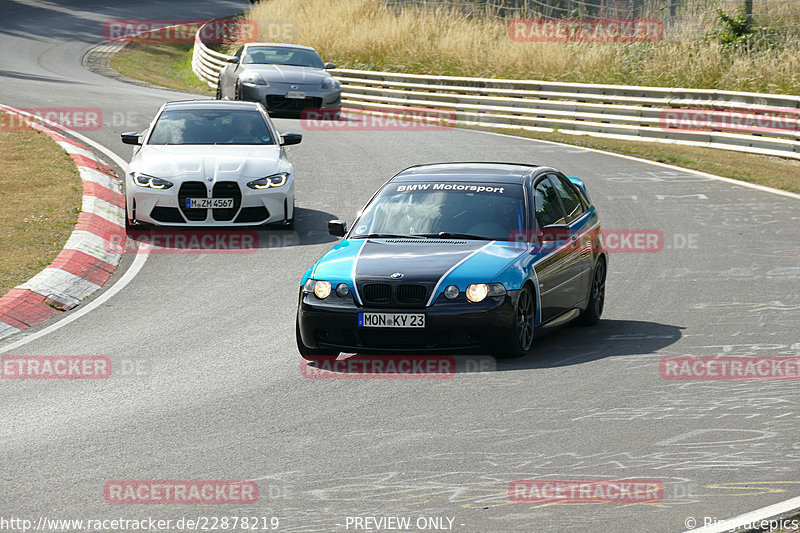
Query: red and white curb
point(87, 260)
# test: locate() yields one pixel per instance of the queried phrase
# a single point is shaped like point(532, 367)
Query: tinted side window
point(571, 200)
point(548, 210)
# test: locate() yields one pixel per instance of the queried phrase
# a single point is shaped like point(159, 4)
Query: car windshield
point(211, 126)
point(492, 211)
point(281, 55)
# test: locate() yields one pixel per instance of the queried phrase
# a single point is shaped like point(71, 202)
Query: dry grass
point(40, 191)
point(367, 34)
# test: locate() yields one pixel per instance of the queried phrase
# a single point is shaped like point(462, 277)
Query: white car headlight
point(320, 288)
point(151, 182)
point(477, 292)
point(276, 180)
point(251, 79)
point(331, 83)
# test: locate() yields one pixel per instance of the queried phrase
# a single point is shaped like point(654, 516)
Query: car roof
point(280, 45)
point(468, 171)
point(211, 104)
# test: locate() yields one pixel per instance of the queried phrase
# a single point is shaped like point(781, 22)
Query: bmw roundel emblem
point(396, 275)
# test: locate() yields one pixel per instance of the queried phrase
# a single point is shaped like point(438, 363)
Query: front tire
point(237, 91)
point(597, 296)
point(218, 95)
point(521, 335)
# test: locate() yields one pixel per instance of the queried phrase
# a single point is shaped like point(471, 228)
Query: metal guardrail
point(611, 111)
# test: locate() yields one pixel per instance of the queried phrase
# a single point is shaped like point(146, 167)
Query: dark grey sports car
point(286, 78)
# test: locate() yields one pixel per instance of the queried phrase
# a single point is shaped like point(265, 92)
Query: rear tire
point(218, 95)
point(521, 335)
point(311, 354)
point(597, 296)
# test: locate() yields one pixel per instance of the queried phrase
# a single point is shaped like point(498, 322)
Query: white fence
point(747, 122)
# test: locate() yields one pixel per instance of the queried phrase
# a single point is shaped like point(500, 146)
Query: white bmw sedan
point(210, 163)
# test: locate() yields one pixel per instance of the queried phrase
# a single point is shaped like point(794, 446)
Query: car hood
point(290, 74)
point(454, 262)
point(208, 162)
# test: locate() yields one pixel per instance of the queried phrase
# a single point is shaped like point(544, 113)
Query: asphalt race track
point(219, 394)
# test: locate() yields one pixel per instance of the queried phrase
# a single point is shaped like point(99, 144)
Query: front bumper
point(275, 98)
point(252, 207)
point(450, 326)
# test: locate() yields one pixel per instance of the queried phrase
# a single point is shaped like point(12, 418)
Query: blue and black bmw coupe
point(457, 257)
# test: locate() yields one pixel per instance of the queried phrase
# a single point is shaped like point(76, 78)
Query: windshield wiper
point(387, 236)
point(448, 235)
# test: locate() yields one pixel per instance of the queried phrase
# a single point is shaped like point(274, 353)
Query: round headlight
point(451, 292)
point(342, 290)
point(322, 289)
point(477, 292)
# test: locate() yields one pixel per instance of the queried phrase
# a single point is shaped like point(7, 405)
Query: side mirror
point(291, 138)
point(337, 228)
point(554, 233)
point(233, 60)
point(132, 138)
point(329, 66)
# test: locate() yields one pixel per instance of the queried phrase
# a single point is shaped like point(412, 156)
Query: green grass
point(165, 64)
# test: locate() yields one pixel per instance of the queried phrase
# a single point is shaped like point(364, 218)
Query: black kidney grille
point(227, 189)
point(192, 189)
point(411, 294)
point(377, 293)
point(390, 294)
